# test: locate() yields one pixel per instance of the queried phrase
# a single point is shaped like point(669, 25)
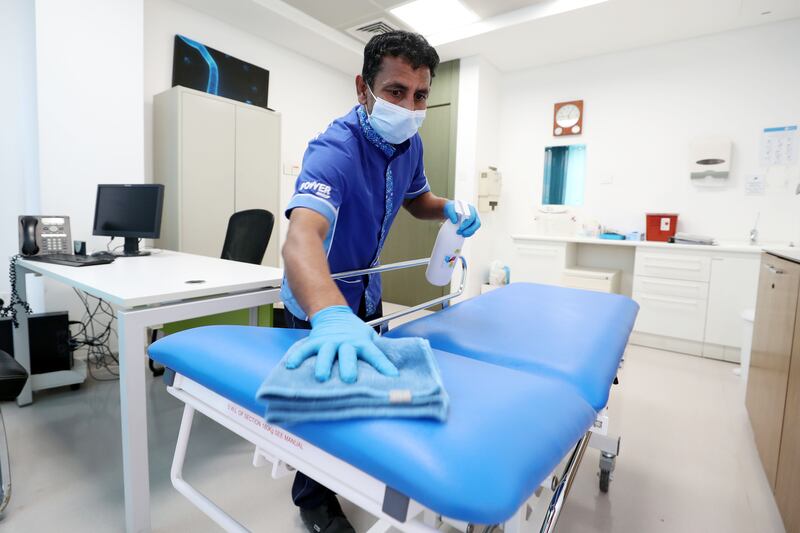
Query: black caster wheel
point(156, 370)
point(605, 479)
point(75, 386)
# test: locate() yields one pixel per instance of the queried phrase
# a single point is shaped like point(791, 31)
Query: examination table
point(528, 369)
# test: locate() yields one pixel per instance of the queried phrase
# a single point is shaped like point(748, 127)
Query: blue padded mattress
point(506, 429)
point(574, 335)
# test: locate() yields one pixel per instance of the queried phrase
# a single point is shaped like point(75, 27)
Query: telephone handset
point(40, 235)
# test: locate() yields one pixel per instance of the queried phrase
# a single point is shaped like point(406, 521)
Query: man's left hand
point(470, 221)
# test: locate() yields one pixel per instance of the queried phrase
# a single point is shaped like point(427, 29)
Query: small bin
point(661, 226)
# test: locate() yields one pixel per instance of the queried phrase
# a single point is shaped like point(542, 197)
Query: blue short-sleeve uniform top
point(358, 181)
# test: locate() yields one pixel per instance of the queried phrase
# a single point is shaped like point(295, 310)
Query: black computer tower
point(48, 337)
point(6, 336)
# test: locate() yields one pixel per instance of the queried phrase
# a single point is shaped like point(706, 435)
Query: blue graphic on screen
point(200, 67)
point(213, 72)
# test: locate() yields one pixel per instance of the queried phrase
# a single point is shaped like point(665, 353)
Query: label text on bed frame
point(264, 426)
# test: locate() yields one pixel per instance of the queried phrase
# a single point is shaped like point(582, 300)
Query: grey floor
point(688, 462)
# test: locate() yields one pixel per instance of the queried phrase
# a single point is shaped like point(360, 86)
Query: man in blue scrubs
point(356, 176)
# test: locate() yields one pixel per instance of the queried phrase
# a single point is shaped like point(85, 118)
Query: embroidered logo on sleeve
point(320, 189)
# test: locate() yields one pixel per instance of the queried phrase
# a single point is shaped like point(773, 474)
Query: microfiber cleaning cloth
point(296, 396)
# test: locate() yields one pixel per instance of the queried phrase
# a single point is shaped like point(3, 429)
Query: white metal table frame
point(132, 326)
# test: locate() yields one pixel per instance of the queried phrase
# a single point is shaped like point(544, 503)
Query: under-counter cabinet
point(692, 302)
point(787, 486)
point(773, 389)
point(542, 262)
point(672, 292)
point(691, 298)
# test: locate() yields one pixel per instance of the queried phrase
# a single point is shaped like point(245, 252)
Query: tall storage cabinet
point(773, 386)
point(215, 156)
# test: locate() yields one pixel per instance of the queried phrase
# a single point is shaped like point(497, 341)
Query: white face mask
point(393, 122)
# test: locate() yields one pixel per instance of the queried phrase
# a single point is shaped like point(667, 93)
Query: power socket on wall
point(607, 180)
point(291, 169)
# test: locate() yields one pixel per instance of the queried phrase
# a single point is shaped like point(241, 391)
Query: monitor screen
point(129, 211)
point(200, 67)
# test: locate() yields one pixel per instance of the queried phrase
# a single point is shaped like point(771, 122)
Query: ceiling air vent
point(365, 32)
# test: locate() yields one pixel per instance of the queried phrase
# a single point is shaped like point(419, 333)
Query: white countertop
point(792, 254)
point(721, 247)
point(161, 277)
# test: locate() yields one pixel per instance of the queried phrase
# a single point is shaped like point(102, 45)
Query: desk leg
point(133, 407)
point(253, 316)
point(21, 346)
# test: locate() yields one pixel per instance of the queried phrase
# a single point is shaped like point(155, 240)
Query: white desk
point(148, 291)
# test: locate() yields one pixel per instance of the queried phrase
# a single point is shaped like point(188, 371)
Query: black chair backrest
point(12, 377)
point(248, 236)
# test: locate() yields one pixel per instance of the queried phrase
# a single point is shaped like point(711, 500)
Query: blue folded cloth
point(296, 396)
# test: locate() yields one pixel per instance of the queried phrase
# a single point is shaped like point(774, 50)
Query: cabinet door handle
point(666, 299)
point(675, 265)
point(774, 270)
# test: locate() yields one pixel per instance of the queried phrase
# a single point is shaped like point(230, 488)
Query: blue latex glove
point(470, 222)
point(336, 330)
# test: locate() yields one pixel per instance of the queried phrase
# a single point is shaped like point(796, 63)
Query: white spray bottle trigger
point(446, 250)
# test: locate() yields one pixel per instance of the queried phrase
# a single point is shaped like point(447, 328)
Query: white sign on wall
point(754, 185)
point(779, 146)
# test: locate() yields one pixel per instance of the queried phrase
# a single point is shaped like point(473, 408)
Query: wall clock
point(568, 118)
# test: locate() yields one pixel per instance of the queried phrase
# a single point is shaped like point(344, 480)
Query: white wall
point(477, 148)
point(642, 109)
point(19, 174)
point(309, 95)
point(89, 71)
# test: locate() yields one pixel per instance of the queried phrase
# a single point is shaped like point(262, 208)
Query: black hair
point(405, 44)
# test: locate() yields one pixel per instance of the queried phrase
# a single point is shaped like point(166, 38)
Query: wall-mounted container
point(710, 161)
point(661, 226)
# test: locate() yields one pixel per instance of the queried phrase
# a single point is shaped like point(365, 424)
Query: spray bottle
point(447, 249)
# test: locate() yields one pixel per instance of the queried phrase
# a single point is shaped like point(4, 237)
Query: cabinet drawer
point(697, 290)
point(540, 262)
point(673, 265)
point(671, 316)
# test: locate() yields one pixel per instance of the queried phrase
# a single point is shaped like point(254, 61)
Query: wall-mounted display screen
point(200, 67)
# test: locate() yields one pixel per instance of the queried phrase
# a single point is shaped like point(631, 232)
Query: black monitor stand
point(131, 248)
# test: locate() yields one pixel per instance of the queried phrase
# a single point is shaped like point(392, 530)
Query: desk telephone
point(39, 237)
point(42, 235)
point(47, 239)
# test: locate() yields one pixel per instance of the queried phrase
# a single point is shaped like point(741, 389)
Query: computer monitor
point(129, 211)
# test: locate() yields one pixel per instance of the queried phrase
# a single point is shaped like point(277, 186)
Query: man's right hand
point(335, 330)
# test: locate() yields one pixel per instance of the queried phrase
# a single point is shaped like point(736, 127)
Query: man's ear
point(361, 90)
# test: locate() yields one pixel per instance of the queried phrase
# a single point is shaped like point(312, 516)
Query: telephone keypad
point(54, 244)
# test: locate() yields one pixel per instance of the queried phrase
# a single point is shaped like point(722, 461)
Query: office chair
point(12, 379)
point(246, 241)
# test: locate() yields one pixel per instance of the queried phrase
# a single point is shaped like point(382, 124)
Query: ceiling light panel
point(432, 16)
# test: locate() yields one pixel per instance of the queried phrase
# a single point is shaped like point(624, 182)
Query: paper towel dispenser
point(710, 161)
